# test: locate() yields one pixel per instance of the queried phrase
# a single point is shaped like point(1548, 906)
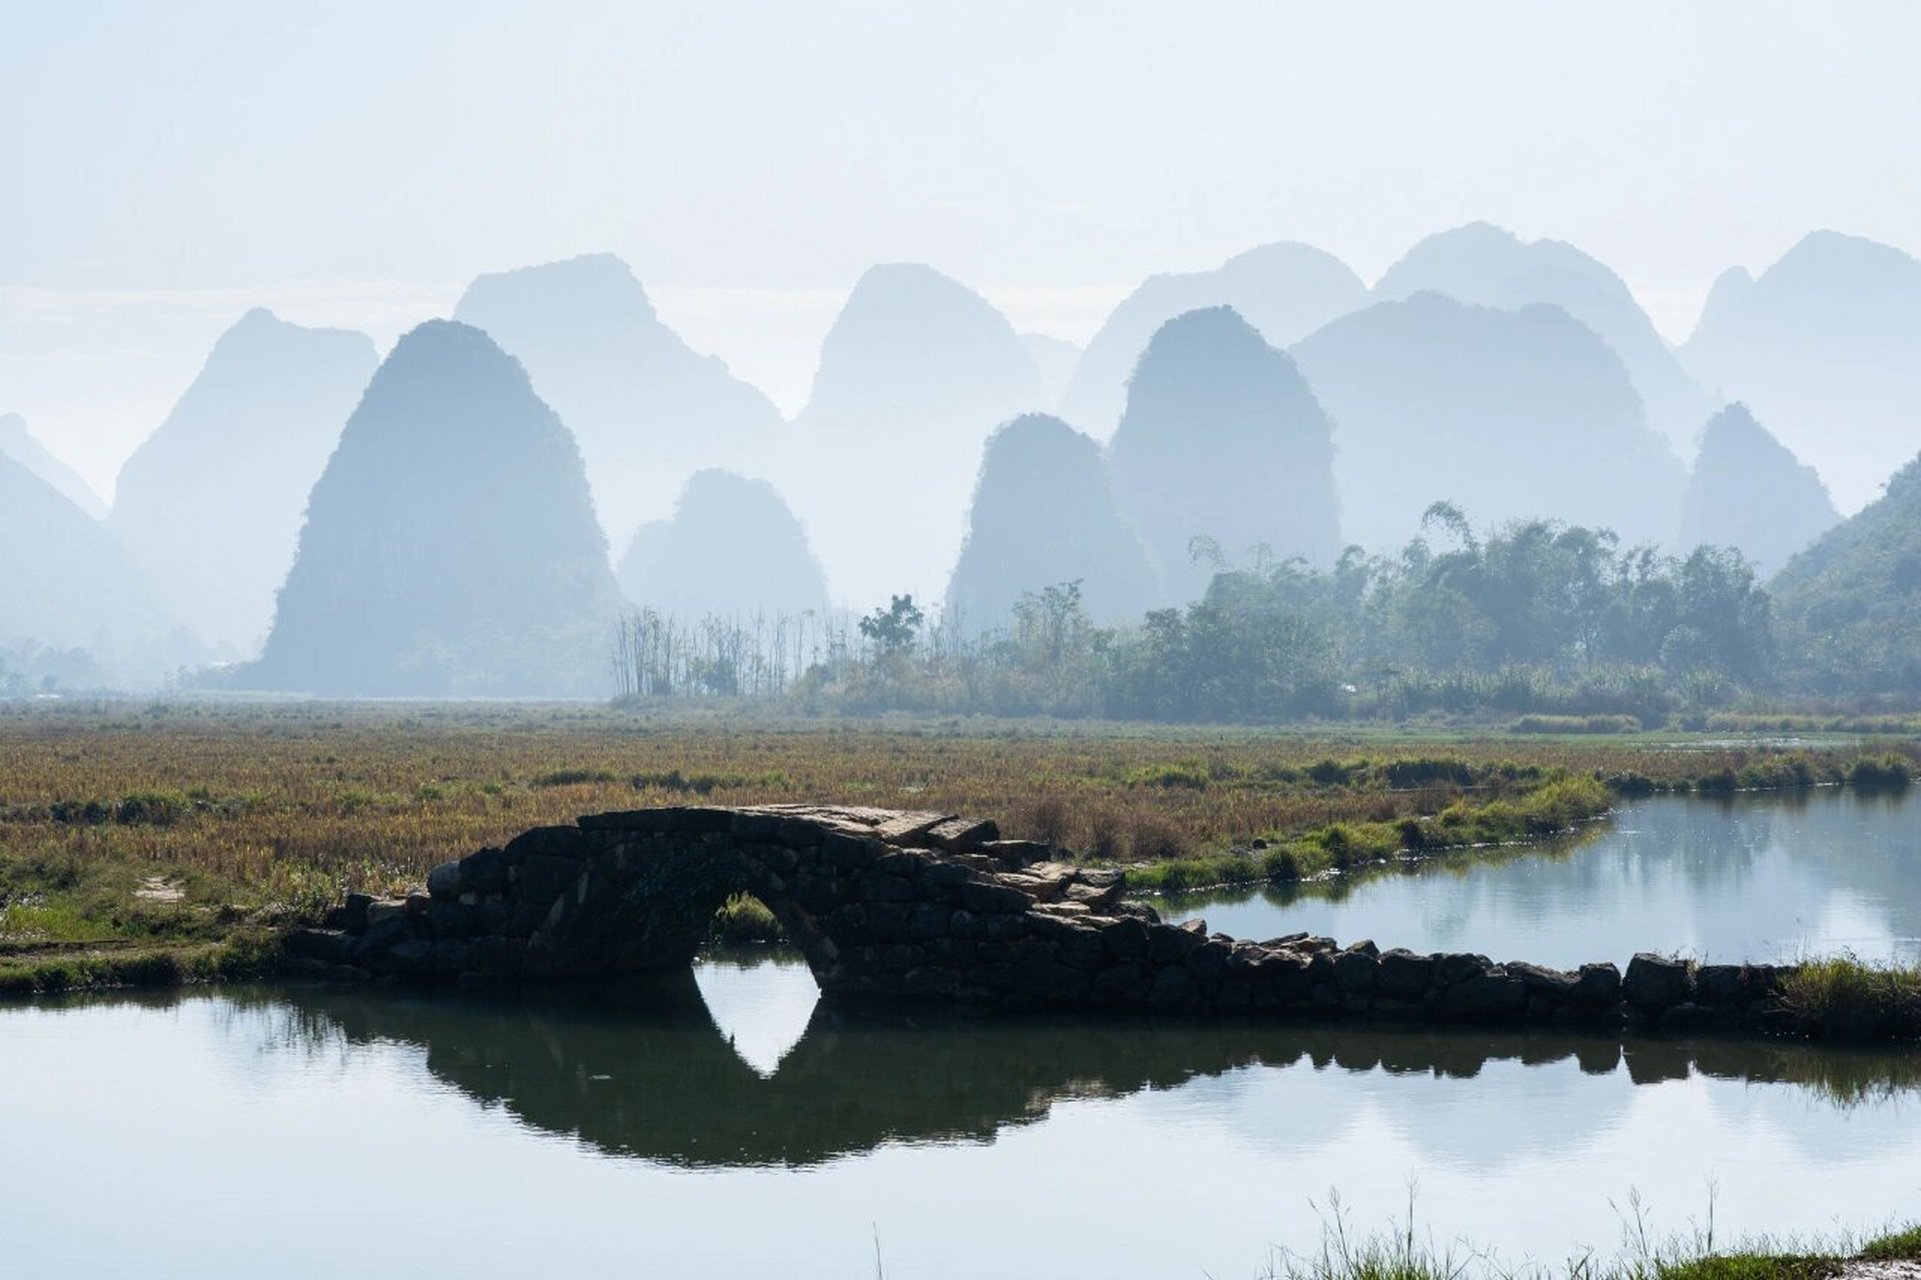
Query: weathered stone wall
point(930, 907)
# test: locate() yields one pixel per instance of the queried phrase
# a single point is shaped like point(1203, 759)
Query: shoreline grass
point(1404, 1253)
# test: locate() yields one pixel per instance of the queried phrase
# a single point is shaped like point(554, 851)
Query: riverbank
point(150, 844)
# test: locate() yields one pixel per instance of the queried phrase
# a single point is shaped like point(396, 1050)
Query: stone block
point(541, 878)
point(444, 881)
point(483, 871)
point(1599, 985)
point(1655, 982)
point(961, 835)
point(1403, 974)
point(878, 886)
point(1356, 972)
point(983, 898)
point(547, 842)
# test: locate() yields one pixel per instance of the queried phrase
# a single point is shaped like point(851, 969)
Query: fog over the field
point(788, 311)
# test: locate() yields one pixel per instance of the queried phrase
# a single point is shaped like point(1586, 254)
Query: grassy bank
point(1840, 998)
point(1406, 1255)
point(130, 831)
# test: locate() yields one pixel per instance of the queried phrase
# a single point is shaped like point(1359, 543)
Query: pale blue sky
point(167, 164)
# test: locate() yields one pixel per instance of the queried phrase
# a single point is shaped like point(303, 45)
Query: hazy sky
point(167, 165)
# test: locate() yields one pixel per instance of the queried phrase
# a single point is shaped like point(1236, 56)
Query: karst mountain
point(1223, 441)
point(647, 409)
point(209, 506)
point(1749, 492)
point(1285, 291)
point(917, 371)
point(1044, 515)
point(732, 550)
point(1825, 347)
point(1488, 266)
point(1507, 414)
point(450, 547)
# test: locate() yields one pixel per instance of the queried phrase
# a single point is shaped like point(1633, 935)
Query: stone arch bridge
point(932, 907)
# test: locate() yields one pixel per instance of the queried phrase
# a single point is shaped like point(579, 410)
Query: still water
point(316, 1132)
point(1760, 878)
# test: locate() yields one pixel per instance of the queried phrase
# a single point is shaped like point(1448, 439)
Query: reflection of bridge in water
point(644, 1072)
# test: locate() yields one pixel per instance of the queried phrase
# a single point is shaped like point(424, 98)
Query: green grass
point(743, 919)
point(244, 956)
point(1405, 1254)
point(1840, 998)
point(1552, 808)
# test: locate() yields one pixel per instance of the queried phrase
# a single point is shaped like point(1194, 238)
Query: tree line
point(1535, 616)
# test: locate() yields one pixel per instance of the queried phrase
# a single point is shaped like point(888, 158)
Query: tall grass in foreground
point(1404, 1253)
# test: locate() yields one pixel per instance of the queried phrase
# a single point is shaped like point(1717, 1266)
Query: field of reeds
point(125, 827)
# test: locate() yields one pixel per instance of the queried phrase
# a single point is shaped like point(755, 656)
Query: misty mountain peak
point(450, 545)
point(593, 289)
point(1506, 413)
point(1044, 515)
point(1749, 491)
point(1823, 345)
point(1222, 438)
point(1490, 266)
point(1285, 290)
point(916, 372)
point(209, 505)
point(733, 549)
point(647, 409)
point(20, 444)
point(907, 333)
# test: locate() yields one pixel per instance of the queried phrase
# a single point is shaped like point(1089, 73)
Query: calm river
point(727, 1125)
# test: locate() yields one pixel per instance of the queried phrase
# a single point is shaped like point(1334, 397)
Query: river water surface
point(727, 1125)
point(1749, 877)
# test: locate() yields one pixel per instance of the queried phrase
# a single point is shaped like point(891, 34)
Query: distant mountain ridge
point(646, 409)
point(733, 549)
point(68, 585)
point(1284, 290)
point(24, 447)
point(1508, 414)
point(1825, 345)
point(1485, 265)
point(450, 547)
point(916, 373)
point(209, 506)
point(1749, 491)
